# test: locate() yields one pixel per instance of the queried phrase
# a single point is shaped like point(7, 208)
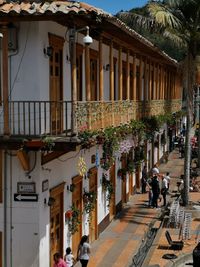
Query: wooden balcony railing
point(96, 115)
point(37, 118)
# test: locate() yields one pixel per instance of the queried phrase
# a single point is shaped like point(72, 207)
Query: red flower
point(68, 214)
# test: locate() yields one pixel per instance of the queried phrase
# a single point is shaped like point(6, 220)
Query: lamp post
point(87, 40)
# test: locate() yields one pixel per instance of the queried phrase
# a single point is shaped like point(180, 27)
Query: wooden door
point(137, 175)
point(124, 164)
point(56, 83)
point(77, 202)
point(130, 175)
point(112, 207)
point(93, 234)
point(93, 74)
point(56, 221)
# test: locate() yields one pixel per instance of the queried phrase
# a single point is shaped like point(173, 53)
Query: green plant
point(89, 200)
point(74, 220)
point(130, 167)
point(107, 186)
point(122, 172)
point(48, 143)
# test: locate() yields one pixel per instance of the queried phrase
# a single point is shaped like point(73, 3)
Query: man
point(58, 261)
point(164, 189)
point(155, 170)
point(167, 177)
point(155, 190)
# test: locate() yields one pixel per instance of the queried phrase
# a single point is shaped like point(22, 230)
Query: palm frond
point(164, 16)
point(178, 39)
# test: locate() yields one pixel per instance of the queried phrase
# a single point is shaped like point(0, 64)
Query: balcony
point(33, 119)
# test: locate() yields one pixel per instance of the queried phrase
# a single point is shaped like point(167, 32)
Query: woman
point(83, 251)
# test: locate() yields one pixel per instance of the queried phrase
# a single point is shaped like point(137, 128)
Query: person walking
point(69, 257)
point(155, 190)
point(83, 251)
point(164, 189)
point(144, 179)
point(167, 177)
point(155, 170)
point(58, 261)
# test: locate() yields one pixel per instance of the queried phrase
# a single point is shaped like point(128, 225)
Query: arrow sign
point(26, 197)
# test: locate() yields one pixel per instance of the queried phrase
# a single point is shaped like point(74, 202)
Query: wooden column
point(134, 77)
point(153, 82)
point(140, 79)
point(120, 74)
point(4, 30)
point(150, 81)
point(145, 80)
point(128, 75)
point(87, 73)
point(111, 73)
point(159, 81)
point(101, 93)
point(73, 84)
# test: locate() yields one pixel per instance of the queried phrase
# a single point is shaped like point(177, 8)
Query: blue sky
point(113, 6)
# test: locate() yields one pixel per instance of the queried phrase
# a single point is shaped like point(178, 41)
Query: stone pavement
point(120, 241)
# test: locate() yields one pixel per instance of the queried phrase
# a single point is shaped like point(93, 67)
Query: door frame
point(76, 180)
point(93, 171)
point(55, 191)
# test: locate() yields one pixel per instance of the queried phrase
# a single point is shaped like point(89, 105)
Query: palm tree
point(179, 21)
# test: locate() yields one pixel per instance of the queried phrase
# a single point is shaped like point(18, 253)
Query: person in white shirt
point(164, 189)
point(69, 257)
point(83, 251)
point(155, 170)
point(167, 177)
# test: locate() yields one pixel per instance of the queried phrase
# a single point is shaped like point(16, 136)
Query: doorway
point(56, 83)
point(112, 207)
point(56, 221)
point(77, 202)
point(93, 233)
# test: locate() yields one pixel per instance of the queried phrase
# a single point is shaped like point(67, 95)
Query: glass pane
point(57, 219)
point(56, 57)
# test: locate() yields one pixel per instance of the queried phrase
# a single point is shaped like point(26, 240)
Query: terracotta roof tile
point(66, 7)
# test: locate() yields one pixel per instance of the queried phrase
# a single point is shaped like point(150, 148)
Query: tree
point(179, 21)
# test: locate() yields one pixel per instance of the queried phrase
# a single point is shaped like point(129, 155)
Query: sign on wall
point(26, 197)
point(25, 187)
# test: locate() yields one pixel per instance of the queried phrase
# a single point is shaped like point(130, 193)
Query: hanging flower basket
point(89, 199)
point(108, 187)
point(73, 219)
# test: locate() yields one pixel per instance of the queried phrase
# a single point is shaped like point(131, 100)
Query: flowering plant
point(89, 199)
point(107, 186)
point(73, 219)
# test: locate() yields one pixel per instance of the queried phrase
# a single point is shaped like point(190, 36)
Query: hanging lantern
point(82, 168)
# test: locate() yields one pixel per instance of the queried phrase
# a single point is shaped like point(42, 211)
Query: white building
point(54, 85)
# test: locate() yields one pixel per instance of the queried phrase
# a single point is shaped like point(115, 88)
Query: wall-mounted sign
point(26, 197)
point(25, 187)
point(45, 185)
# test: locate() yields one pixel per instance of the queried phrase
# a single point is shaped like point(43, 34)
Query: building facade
point(63, 98)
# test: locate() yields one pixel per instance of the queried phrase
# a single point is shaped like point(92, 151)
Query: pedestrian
point(69, 257)
point(83, 251)
point(144, 179)
point(58, 261)
point(155, 170)
point(155, 190)
point(164, 188)
point(167, 177)
point(150, 194)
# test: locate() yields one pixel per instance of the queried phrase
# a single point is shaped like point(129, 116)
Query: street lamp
point(87, 40)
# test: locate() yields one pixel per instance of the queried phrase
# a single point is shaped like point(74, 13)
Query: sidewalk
point(121, 240)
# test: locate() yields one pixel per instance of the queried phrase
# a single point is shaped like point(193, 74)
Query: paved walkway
point(120, 241)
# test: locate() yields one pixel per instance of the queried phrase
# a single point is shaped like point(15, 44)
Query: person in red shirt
point(58, 261)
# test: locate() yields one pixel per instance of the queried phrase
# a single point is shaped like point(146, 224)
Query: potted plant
point(108, 187)
point(72, 218)
point(89, 200)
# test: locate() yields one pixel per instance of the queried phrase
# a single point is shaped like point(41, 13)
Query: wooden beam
point(128, 75)
point(111, 72)
point(101, 93)
point(134, 77)
point(87, 73)
point(4, 30)
point(120, 74)
point(24, 160)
